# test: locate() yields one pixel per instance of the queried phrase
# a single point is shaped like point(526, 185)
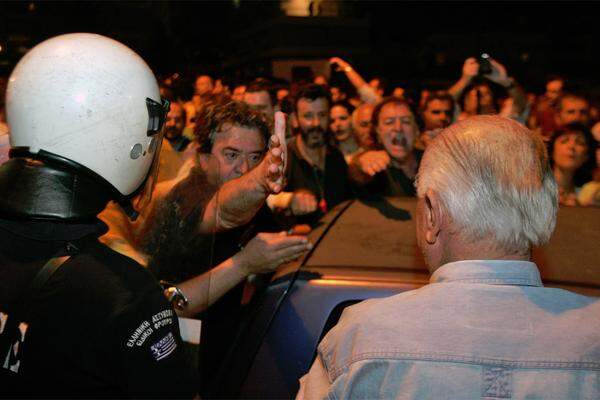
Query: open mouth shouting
point(398, 145)
point(399, 140)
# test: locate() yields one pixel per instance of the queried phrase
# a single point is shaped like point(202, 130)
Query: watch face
point(180, 304)
point(176, 297)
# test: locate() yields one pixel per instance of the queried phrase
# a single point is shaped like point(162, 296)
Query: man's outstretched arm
point(263, 254)
point(366, 93)
point(469, 72)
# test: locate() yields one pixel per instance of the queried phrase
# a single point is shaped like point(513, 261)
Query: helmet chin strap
point(79, 192)
point(34, 190)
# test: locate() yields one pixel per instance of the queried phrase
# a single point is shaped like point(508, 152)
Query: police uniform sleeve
point(151, 360)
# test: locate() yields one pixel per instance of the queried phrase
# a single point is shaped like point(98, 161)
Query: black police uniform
point(100, 325)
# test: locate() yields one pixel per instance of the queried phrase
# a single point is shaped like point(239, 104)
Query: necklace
point(319, 176)
point(320, 181)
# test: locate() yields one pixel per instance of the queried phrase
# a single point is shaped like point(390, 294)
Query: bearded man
point(317, 173)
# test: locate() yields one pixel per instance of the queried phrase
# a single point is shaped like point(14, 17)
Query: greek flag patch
point(164, 347)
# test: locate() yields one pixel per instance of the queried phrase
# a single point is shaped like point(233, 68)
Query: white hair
point(494, 179)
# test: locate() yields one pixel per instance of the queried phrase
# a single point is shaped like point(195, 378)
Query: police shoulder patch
point(164, 347)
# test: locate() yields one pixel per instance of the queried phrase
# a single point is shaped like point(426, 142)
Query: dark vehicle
point(365, 249)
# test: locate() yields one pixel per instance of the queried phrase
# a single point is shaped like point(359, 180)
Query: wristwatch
point(174, 295)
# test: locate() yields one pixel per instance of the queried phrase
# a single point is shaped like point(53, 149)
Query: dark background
point(411, 43)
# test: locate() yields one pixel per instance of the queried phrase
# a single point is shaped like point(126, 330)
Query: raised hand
point(276, 158)
point(374, 161)
point(498, 74)
point(339, 62)
point(470, 68)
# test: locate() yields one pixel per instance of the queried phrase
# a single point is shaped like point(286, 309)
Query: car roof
point(374, 240)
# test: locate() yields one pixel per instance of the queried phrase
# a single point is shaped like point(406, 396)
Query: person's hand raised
point(498, 74)
point(373, 161)
point(470, 68)
point(342, 65)
point(272, 172)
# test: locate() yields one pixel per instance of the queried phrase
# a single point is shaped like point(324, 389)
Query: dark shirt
point(99, 327)
point(180, 253)
point(392, 182)
point(179, 143)
point(331, 184)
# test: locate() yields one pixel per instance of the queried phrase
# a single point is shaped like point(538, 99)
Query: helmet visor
point(158, 113)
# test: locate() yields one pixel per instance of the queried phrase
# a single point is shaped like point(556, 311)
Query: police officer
point(76, 318)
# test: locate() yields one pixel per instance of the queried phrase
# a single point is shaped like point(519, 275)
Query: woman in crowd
point(573, 160)
point(340, 124)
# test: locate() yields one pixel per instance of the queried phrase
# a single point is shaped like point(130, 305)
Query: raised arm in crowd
point(474, 95)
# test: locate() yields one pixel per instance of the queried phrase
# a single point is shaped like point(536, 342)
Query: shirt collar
point(492, 272)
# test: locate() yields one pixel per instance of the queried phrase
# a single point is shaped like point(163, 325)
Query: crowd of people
point(382, 157)
point(337, 148)
point(245, 171)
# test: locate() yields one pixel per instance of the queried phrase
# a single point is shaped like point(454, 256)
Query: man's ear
point(210, 165)
point(435, 217)
point(294, 120)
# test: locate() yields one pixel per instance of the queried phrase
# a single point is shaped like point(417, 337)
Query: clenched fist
point(373, 162)
point(303, 202)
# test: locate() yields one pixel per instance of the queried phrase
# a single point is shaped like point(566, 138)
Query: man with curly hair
point(212, 230)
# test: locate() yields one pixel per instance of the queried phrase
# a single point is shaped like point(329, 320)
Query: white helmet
point(87, 99)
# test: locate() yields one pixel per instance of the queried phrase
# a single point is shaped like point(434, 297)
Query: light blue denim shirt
point(479, 330)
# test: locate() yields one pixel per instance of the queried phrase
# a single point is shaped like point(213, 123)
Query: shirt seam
point(451, 358)
point(513, 281)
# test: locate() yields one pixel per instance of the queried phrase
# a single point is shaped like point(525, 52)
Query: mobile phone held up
point(485, 67)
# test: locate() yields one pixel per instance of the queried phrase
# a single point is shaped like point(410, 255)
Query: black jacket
point(99, 327)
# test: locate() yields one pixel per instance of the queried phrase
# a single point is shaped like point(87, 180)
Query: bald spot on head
point(361, 121)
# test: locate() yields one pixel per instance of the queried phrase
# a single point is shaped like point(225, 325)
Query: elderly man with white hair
point(485, 327)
